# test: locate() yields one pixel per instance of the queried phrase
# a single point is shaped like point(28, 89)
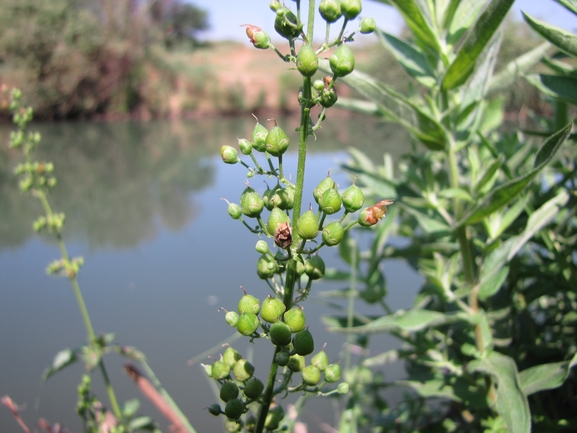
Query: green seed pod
point(258, 37)
point(333, 233)
point(220, 370)
point(343, 388)
point(275, 5)
point(266, 267)
point(243, 370)
point(328, 98)
point(229, 154)
point(258, 137)
point(245, 146)
point(272, 309)
point(250, 424)
point(234, 210)
point(331, 201)
point(231, 318)
point(281, 359)
point(286, 24)
point(351, 8)
point(368, 25)
point(311, 375)
point(342, 61)
point(321, 360)
point(303, 342)
point(262, 247)
point(251, 203)
point(232, 425)
point(277, 142)
point(353, 198)
point(295, 319)
point(248, 304)
point(308, 225)
point(284, 197)
point(324, 185)
point(215, 409)
point(228, 391)
point(276, 217)
point(234, 408)
point(307, 61)
point(253, 388)
point(300, 268)
point(231, 356)
point(247, 324)
point(208, 370)
point(330, 10)
point(315, 267)
point(296, 363)
point(318, 85)
point(333, 373)
point(280, 334)
point(272, 420)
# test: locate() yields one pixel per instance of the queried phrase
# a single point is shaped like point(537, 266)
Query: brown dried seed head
point(283, 236)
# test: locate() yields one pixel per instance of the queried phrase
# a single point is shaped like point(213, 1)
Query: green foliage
point(487, 220)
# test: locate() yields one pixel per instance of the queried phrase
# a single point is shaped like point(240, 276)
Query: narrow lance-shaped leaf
point(558, 37)
point(63, 359)
point(546, 376)
point(569, 4)
point(417, 22)
point(506, 192)
point(562, 88)
point(477, 39)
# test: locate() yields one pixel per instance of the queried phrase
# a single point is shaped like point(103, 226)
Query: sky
point(226, 16)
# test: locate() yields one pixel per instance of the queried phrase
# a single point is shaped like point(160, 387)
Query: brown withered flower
point(373, 214)
point(283, 235)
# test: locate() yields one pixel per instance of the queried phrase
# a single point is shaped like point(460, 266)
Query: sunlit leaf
point(569, 4)
point(63, 359)
point(419, 25)
point(545, 376)
point(557, 36)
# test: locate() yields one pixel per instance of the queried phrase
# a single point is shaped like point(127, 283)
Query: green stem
point(351, 310)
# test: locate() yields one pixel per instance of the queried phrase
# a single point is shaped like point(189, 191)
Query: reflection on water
point(143, 206)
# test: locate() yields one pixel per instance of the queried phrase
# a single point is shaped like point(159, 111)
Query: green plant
point(489, 223)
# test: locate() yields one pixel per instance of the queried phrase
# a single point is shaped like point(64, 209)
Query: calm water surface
point(143, 208)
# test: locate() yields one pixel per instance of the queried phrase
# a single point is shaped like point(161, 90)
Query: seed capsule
point(253, 388)
point(277, 141)
point(231, 356)
point(315, 267)
point(351, 8)
point(296, 363)
point(261, 247)
point(248, 304)
point(331, 201)
point(321, 360)
point(328, 98)
point(286, 24)
point(311, 375)
point(353, 198)
point(275, 5)
point(220, 370)
point(342, 61)
point(282, 359)
point(330, 10)
point(266, 267)
point(272, 309)
point(243, 370)
point(273, 418)
point(247, 324)
point(303, 342)
point(228, 391)
point(368, 25)
point(245, 146)
point(251, 203)
point(307, 61)
point(229, 154)
point(333, 373)
point(258, 137)
point(234, 210)
point(308, 225)
point(295, 319)
point(333, 234)
point(234, 408)
point(280, 334)
point(275, 218)
point(324, 185)
point(214, 409)
point(208, 370)
point(343, 388)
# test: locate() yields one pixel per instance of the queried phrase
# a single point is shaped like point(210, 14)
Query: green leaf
point(460, 391)
point(455, 193)
point(410, 58)
point(512, 402)
point(450, 13)
point(545, 376)
point(417, 22)
point(555, 86)
point(349, 250)
point(489, 176)
point(427, 223)
point(63, 359)
point(558, 37)
point(569, 4)
point(491, 284)
point(477, 39)
point(506, 192)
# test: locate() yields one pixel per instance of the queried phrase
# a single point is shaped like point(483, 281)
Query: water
point(143, 208)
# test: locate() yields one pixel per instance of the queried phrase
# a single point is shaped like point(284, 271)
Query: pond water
point(161, 255)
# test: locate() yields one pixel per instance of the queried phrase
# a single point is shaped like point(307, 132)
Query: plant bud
point(318, 85)
point(245, 146)
point(311, 375)
point(247, 324)
point(333, 234)
point(231, 356)
point(371, 215)
point(220, 370)
point(214, 409)
point(330, 10)
point(281, 359)
point(333, 373)
point(368, 25)
point(315, 267)
point(321, 360)
point(243, 370)
point(275, 5)
point(228, 391)
point(308, 225)
point(286, 24)
point(229, 154)
point(331, 201)
point(266, 267)
point(307, 61)
point(208, 370)
point(248, 304)
point(273, 418)
point(353, 198)
point(280, 334)
point(262, 247)
point(231, 318)
point(343, 388)
point(303, 342)
point(295, 319)
point(253, 388)
point(328, 98)
point(258, 37)
point(272, 309)
point(258, 137)
point(351, 8)
point(251, 203)
point(296, 363)
point(323, 185)
point(233, 210)
point(276, 142)
point(234, 408)
point(342, 61)
point(275, 218)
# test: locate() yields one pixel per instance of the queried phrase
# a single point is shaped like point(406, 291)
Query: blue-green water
point(143, 208)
